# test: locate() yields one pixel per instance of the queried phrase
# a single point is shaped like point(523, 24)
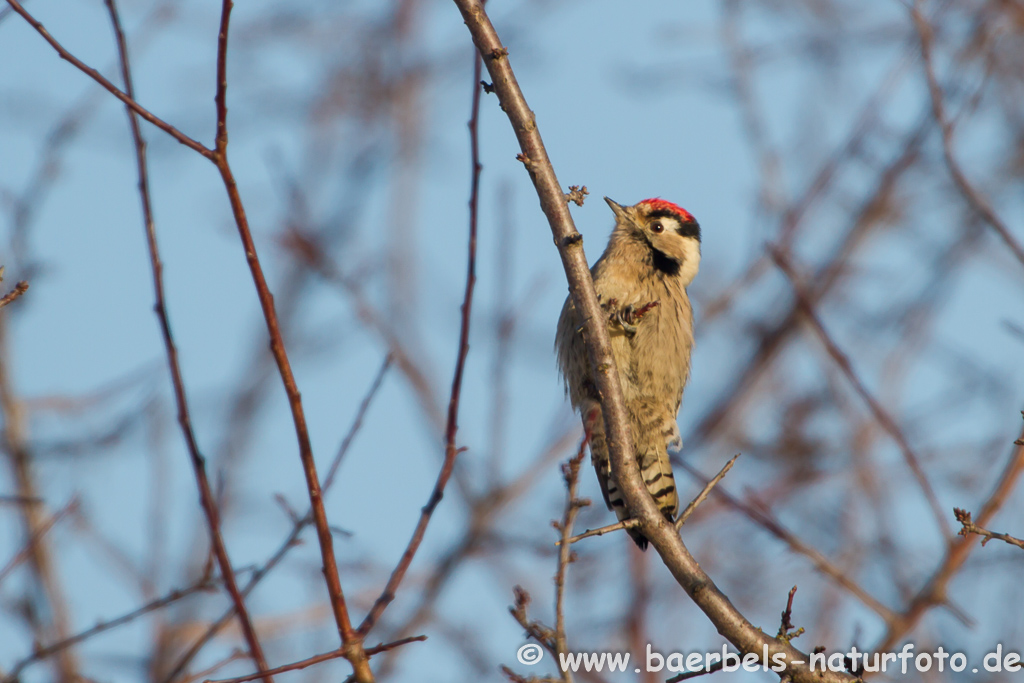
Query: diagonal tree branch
point(128, 100)
point(881, 415)
point(18, 290)
point(934, 591)
point(661, 533)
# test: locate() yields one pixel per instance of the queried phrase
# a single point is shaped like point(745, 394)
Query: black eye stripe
point(687, 228)
point(690, 229)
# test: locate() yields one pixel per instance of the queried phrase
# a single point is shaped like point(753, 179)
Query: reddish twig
point(484, 512)
point(206, 496)
point(325, 657)
point(290, 541)
point(786, 623)
point(128, 100)
point(880, 414)
point(351, 640)
point(452, 420)
point(452, 425)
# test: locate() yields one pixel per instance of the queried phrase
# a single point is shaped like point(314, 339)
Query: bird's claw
point(628, 317)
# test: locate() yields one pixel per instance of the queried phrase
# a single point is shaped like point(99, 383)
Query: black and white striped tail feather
point(656, 470)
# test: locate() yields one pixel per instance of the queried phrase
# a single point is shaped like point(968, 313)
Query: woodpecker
point(641, 278)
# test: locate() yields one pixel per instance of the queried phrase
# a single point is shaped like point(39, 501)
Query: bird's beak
point(620, 212)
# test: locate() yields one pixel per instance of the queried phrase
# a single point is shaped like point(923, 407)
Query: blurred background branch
point(880, 147)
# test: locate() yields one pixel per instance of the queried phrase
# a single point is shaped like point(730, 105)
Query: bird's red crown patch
point(658, 204)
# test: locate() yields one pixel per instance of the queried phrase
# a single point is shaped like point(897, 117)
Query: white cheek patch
point(691, 261)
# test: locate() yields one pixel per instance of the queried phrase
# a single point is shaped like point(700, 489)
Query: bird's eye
point(657, 227)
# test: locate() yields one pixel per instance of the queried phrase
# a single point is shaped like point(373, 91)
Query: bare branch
point(655, 527)
point(18, 290)
point(971, 194)
point(689, 510)
point(571, 475)
point(880, 414)
point(103, 626)
point(114, 90)
point(452, 425)
point(934, 591)
point(969, 527)
point(40, 531)
point(325, 657)
point(704, 493)
point(206, 496)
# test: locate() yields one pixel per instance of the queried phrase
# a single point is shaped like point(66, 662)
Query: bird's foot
point(628, 317)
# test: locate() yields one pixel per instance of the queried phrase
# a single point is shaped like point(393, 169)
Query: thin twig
point(534, 629)
point(351, 640)
point(128, 100)
point(325, 657)
point(640, 505)
point(880, 414)
point(40, 531)
point(452, 425)
point(974, 198)
point(216, 666)
point(18, 290)
point(601, 531)
point(290, 541)
point(571, 475)
point(687, 675)
point(103, 626)
point(705, 492)
point(632, 523)
point(763, 518)
point(969, 527)
point(364, 406)
point(484, 512)
point(934, 590)
point(786, 628)
point(206, 495)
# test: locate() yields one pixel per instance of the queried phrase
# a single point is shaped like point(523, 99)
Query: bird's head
point(670, 232)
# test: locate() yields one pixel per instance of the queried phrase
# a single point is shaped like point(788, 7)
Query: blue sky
point(632, 104)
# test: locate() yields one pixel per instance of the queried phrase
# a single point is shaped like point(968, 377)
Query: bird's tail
point(652, 456)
